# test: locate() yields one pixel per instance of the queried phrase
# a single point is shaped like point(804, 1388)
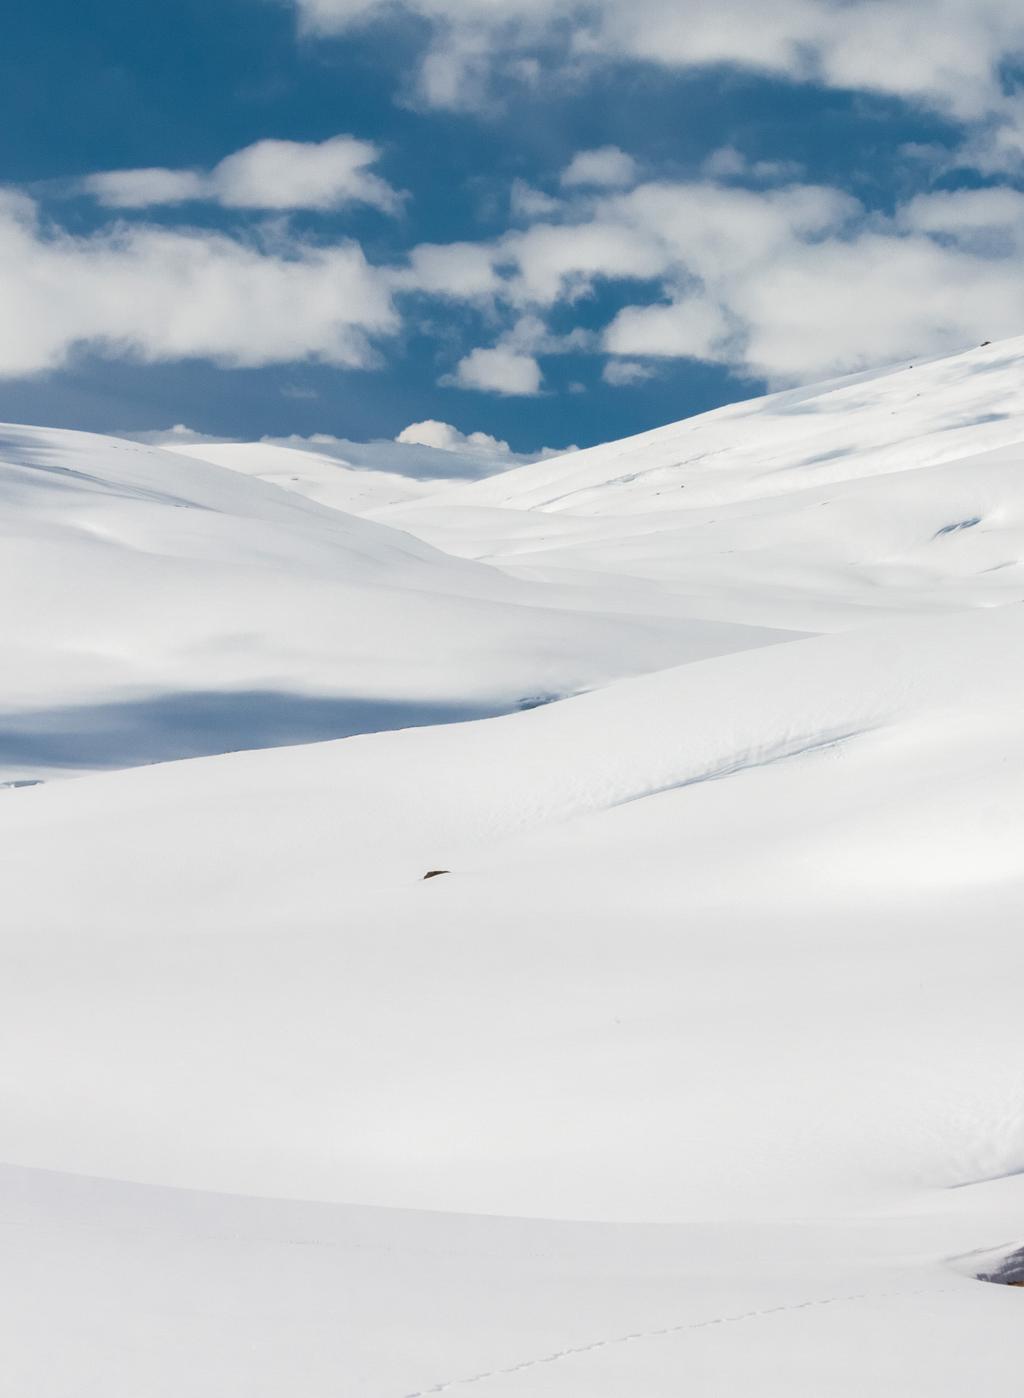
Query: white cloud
point(480, 446)
point(140, 189)
point(442, 436)
point(728, 163)
point(788, 283)
point(530, 335)
point(605, 168)
point(463, 271)
point(155, 293)
point(946, 55)
point(267, 175)
point(623, 373)
point(794, 284)
point(510, 367)
point(848, 304)
point(428, 450)
point(499, 370)
point(178, 435)
point(693, 328)
point(714, 231)
point(445, 437)
point(527, 202)
point(983, 220)
point(562, 261)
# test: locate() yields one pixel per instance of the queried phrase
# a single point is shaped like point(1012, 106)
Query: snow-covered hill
point(698, 1070)
point(816, 509)
point(315, 475)
point(161, 607)
point(872, 424)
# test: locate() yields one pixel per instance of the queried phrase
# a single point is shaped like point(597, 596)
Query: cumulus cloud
point(179, 435)
point(623, 373)
point(442, 436)
point(461, 271)
point(501, 369)
point(511, 367)
point(796, 284)
point(157, 293)
point(267, 175)
point(854, 303)
point(692, 328)
point(605, 168)
point(141, 189)
point(785, 284)
point(445, 437)
point(555, 261)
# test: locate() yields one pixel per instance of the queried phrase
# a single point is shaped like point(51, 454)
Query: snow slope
point(160, 607)
point(314, 474)
point(871, 424)
point(815, 509)
point(698, 1071)
point(165, 1292)
point(775, 818)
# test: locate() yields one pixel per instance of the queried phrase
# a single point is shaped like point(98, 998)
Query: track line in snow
point(749, 762)
point(573, 1351)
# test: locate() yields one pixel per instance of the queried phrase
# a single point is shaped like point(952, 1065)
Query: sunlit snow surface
point(701, 1072)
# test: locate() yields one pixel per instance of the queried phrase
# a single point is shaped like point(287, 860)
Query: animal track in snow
point(573, 1351)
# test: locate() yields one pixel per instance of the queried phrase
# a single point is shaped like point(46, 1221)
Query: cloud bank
point(947, 55)
point(784, 284)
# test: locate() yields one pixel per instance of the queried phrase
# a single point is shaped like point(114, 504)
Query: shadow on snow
point(166, 727)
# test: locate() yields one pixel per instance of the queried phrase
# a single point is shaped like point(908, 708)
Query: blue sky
point(553, 224)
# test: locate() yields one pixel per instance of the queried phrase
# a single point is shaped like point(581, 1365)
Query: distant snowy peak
point(315, 475)
point(896, 419)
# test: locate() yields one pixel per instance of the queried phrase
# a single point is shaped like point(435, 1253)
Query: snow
point(814, 509)
point(698, 1071)
point(162, 607)
point(314, 474)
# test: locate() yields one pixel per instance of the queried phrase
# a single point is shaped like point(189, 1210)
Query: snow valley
point(696, 1069)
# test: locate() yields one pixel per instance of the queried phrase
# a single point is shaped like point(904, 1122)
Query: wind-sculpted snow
point(725, 961)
